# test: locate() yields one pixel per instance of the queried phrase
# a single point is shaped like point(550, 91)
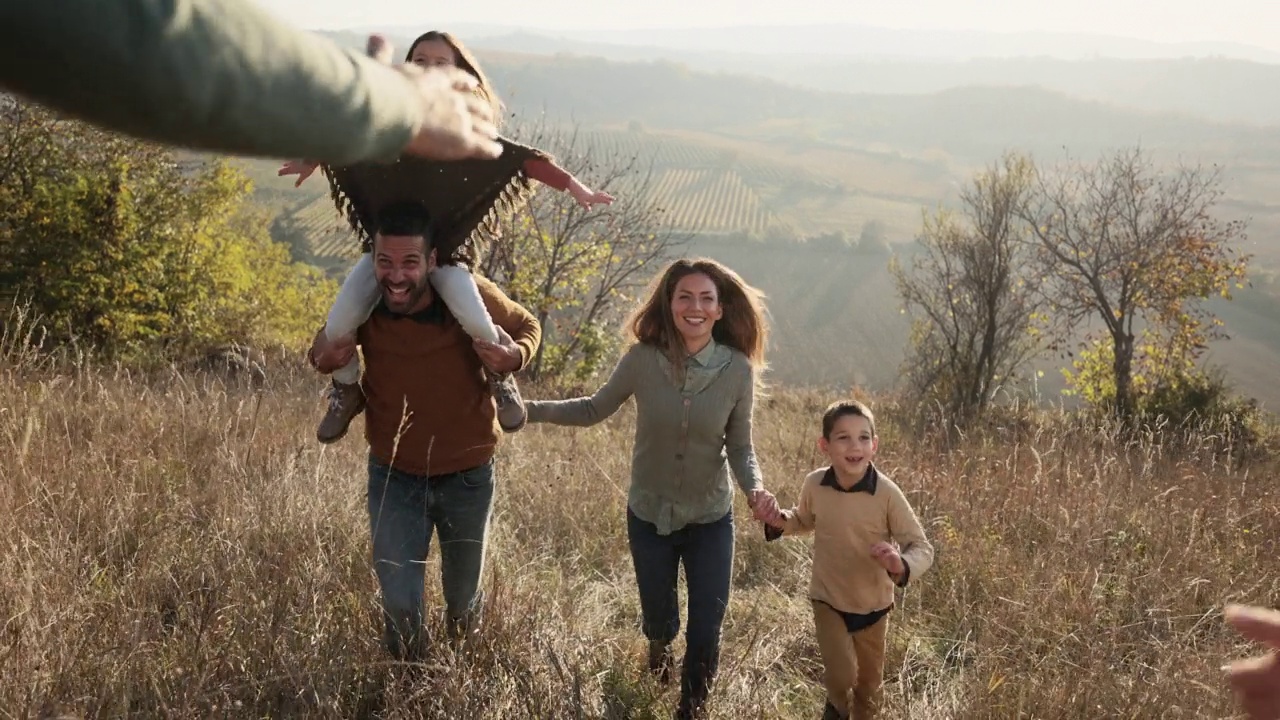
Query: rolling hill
point(891, 154)
point(1219, 86)
point(808, 42)
point(746, 163)
point(705, 186)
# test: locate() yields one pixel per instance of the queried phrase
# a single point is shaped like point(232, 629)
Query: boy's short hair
point(841, 408)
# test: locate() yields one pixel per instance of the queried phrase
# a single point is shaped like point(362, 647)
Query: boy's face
point(851, 446)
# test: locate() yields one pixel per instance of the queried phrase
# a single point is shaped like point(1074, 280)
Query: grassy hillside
point(198, 555)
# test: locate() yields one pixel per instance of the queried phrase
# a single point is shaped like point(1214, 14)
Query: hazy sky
point(1246, 21)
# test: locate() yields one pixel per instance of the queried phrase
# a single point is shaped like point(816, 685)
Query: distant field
point(722, 188)
point(327, 239)
point(838, 210)
point(836, 314)
point(710, 183)
point(274, 193)
point(710, 201)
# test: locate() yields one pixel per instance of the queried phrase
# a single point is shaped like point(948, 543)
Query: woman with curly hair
point(693, 370)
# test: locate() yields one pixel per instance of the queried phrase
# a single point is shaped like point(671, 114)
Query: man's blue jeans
point(404, 509)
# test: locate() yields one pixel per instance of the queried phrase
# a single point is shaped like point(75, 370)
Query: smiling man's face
point(402, 266)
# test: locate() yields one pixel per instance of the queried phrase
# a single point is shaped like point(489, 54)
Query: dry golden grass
point(178, 547)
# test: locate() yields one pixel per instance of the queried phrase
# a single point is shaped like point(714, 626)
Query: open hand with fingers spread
point(1256, 681)
point(587, 197)
point(302, 168)
point(456, 123)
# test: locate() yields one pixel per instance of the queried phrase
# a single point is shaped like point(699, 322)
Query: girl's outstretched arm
point(301, 168)
point(548, 173)
point(544, 171)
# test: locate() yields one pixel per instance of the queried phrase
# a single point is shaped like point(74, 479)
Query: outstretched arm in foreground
point(1257, 680)
point(225, 76)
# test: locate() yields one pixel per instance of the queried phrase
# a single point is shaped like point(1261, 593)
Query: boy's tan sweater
point(845, 524)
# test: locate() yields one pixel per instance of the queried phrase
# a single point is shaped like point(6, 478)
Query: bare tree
point(975, 314)
point(575, 268)
point(1122, 243)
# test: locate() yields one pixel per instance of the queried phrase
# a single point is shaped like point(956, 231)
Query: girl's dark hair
point(462, 58)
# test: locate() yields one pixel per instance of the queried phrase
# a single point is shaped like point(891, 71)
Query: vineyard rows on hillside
point(711, 201)
point(328, 235)
point(702, 189)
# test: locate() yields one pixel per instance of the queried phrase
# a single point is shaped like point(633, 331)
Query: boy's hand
point(888, 557)
point(780, 522)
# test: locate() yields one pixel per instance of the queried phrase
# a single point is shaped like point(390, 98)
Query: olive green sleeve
point(215, 75)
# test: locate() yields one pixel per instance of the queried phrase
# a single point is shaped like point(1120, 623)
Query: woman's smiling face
point(695, 308)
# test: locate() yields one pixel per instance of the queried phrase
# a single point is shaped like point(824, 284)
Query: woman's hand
point(764, 507)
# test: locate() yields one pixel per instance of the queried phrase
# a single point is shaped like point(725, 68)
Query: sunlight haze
point(1237, 21)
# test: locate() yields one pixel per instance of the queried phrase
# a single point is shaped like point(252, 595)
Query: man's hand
point(456, 123)
point(888, 557)
point(500, 357)
point(1256, 681)
point(327, 355)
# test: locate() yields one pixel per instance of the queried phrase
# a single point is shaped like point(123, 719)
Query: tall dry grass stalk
point(177, 546)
